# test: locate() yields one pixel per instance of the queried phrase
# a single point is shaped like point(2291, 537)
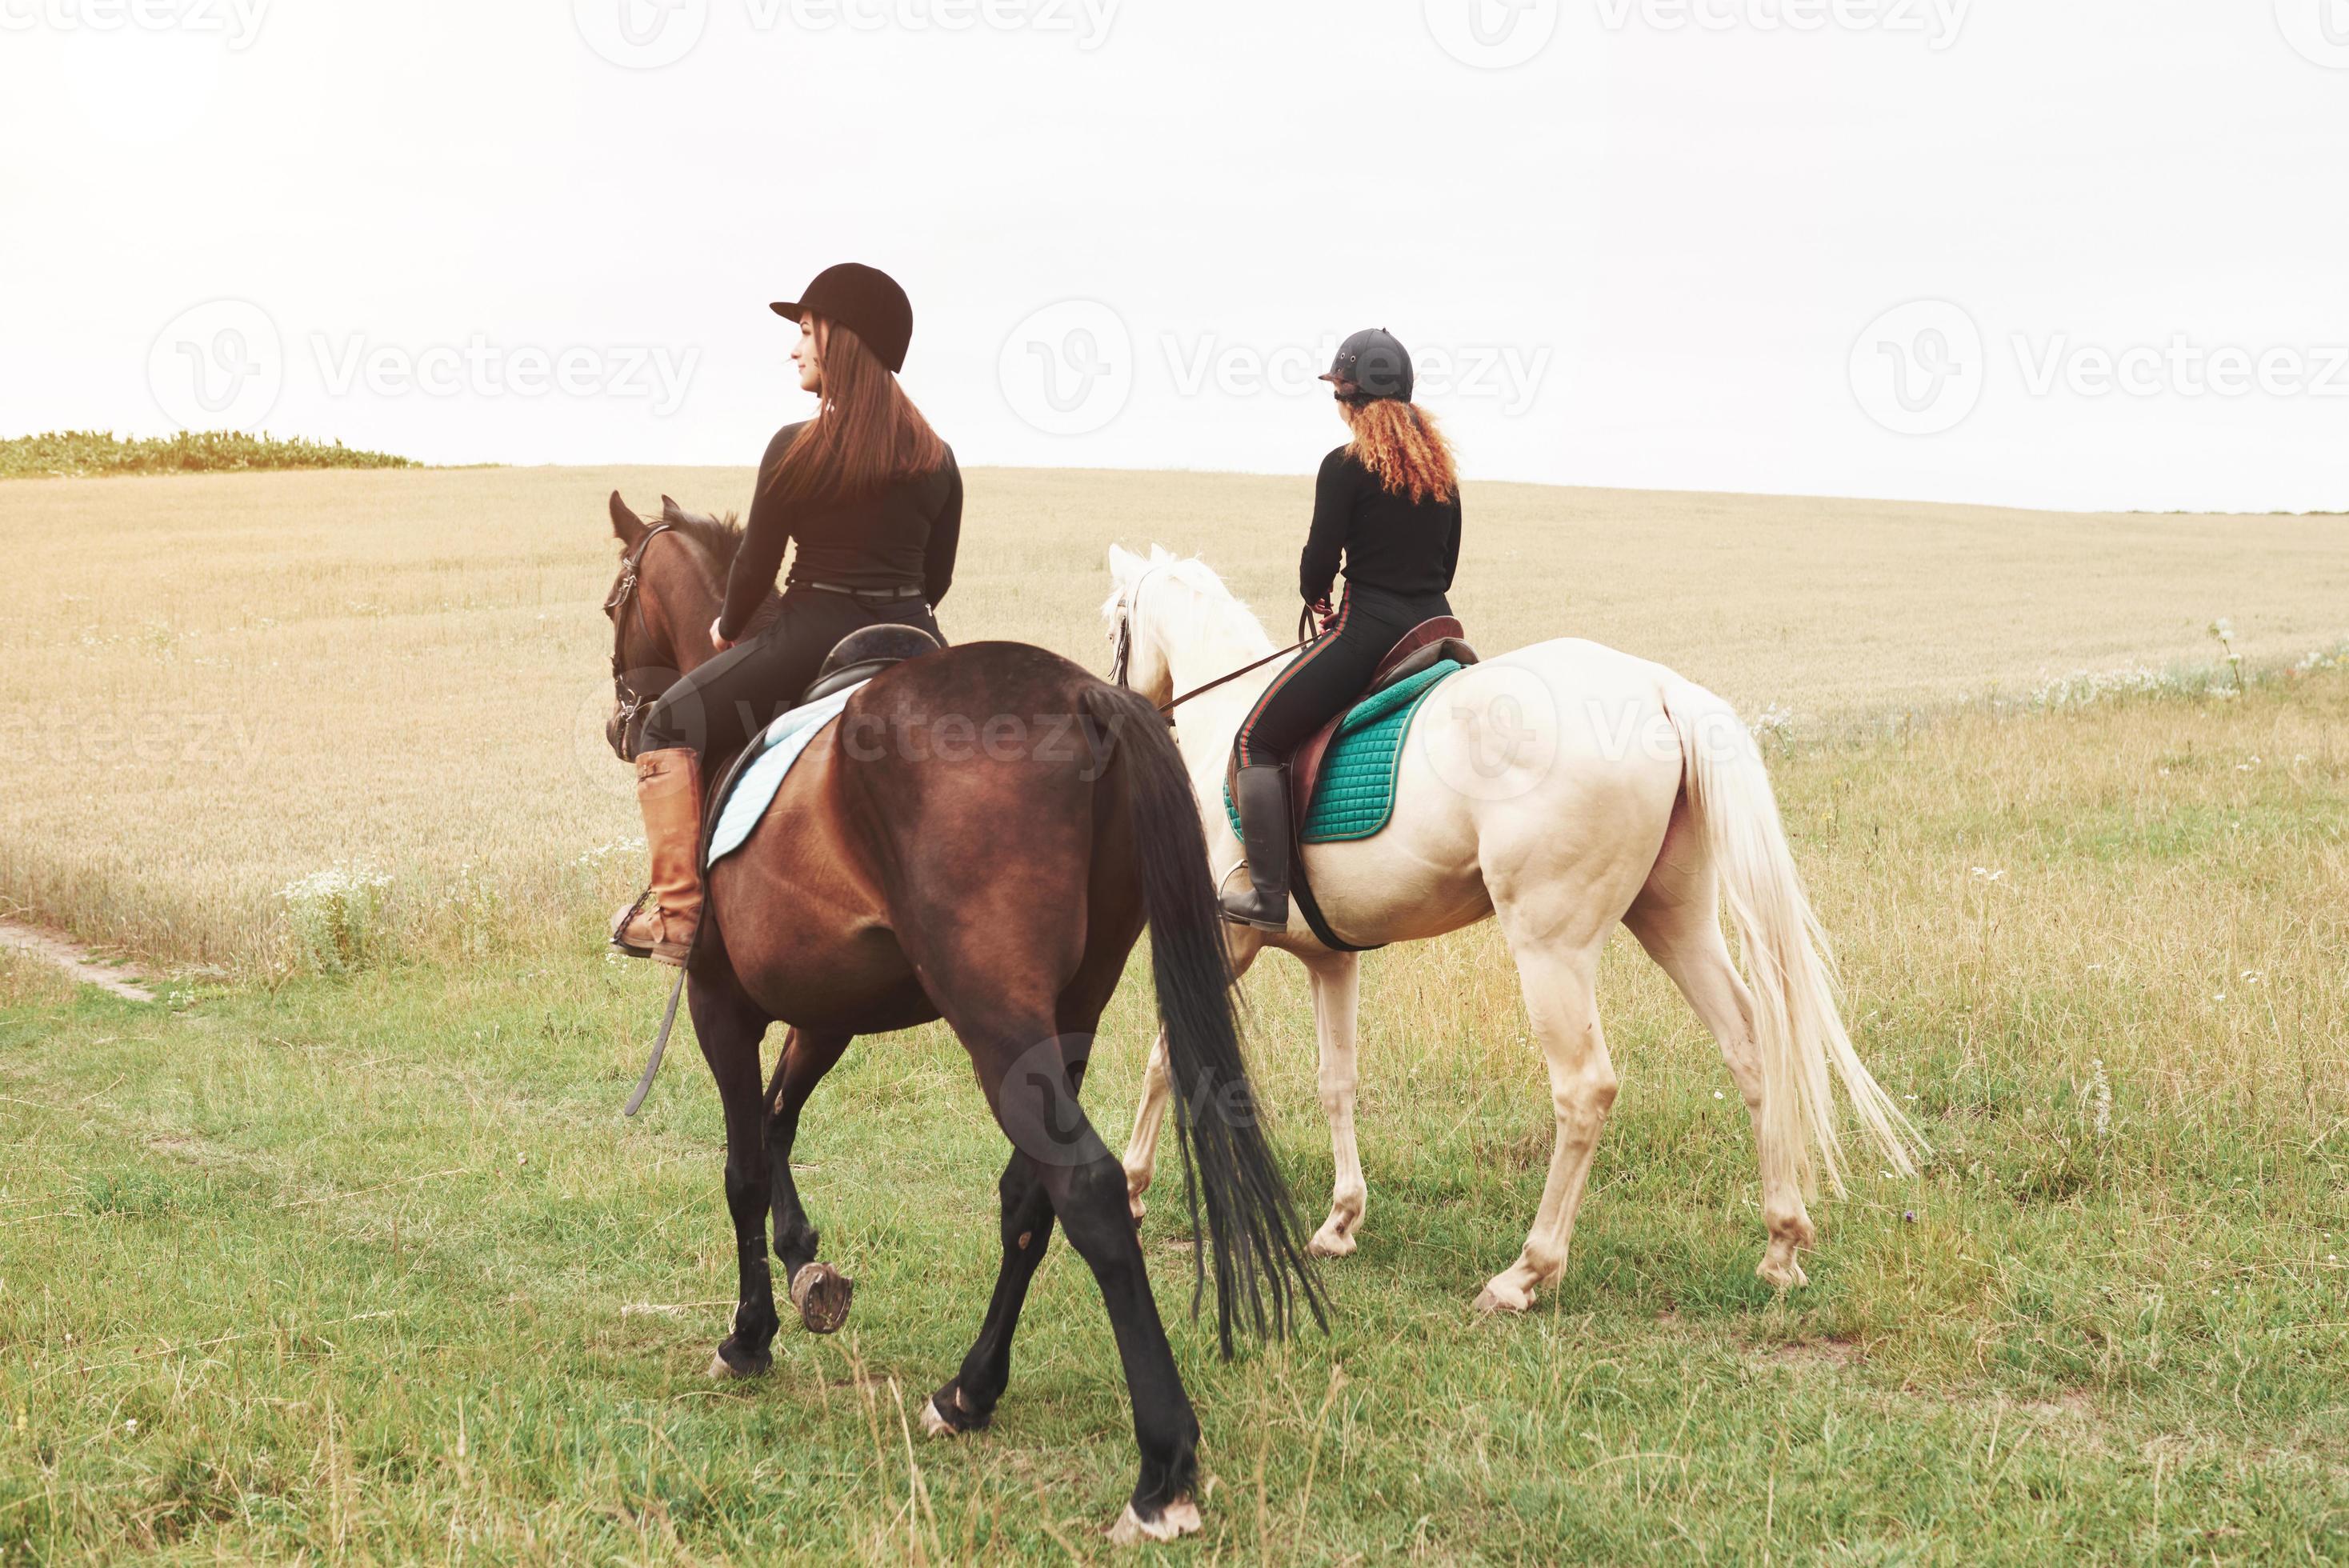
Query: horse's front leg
point(821, 1292)
point(729, 1027)
point(1150, 1113)
point(1337, 996)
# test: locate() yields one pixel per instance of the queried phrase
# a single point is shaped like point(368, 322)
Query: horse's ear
point(626, 523)
point(671, 512)
point(1123, 565)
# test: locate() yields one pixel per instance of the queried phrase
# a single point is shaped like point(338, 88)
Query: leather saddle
point(1425, 645)
point(863, 654)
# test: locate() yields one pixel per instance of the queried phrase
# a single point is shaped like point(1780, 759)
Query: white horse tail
point(1798, 1028)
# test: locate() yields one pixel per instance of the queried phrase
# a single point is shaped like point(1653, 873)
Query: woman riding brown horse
point(982, 839)
point(873, 501)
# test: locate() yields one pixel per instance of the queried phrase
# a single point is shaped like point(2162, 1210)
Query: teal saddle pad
point(1354, 796)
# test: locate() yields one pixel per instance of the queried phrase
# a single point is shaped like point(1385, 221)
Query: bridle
point(1122, 658)
point(623, 595)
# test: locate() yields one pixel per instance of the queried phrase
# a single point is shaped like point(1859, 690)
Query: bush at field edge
point(85, 453)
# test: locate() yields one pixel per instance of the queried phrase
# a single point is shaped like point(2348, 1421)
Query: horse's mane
point(1208, 613)
point(722, 538)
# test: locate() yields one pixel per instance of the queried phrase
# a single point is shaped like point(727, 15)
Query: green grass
point(378, 1275)
point(85, 453)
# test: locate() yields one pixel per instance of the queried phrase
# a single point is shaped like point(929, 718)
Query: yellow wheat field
point(224, 684)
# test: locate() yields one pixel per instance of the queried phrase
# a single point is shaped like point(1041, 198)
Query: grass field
point(362, 1266)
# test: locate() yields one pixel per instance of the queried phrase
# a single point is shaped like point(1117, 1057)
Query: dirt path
point(53, 949)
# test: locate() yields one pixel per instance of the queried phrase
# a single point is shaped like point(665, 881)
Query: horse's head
point(1165, 610)
point(671, 582)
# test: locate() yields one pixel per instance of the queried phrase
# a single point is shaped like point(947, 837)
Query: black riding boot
point(1261, 792)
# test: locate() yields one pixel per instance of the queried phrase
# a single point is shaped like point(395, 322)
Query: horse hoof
point(1177, 1519)
point(948, 1414)
point(1498, 1298)
point(1782, 1276)
point(822, 1293)
point(722, 1370)
point(1329, 1241)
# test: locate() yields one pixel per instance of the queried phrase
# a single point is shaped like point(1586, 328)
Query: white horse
point(1559, 789)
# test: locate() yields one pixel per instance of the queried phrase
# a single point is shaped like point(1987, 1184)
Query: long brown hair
point(1401, 445)
point(866, 433)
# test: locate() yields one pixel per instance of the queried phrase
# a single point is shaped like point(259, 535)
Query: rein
point(1123, 657)
point(623, 595)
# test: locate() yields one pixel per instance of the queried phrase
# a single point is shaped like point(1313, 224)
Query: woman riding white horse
point(1387, 505)
point(1562, 788)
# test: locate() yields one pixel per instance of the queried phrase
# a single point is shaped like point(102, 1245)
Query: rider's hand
point(717, 639)
point(1322, 613)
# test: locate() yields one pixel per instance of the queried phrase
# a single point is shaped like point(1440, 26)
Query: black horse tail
point(1227, 1167)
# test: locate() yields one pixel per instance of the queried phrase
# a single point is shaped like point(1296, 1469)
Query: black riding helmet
point(1371, 365)
point(866, 299)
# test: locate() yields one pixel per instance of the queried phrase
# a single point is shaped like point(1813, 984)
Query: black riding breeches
point(1314, 686)
point(720, 705)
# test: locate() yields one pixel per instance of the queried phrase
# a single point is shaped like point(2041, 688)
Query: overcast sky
point(2063, 252)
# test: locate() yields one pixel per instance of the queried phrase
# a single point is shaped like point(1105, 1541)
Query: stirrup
point(621, 921)
point(1256, 908)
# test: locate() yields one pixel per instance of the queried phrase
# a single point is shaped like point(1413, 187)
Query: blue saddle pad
point(1353, 797)
point(778, 746)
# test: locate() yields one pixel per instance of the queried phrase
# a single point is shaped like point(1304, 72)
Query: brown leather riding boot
point(659, 924)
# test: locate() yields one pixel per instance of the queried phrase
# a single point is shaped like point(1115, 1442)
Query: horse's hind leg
point(1676, 919)
point(1561, 1000)
point(968, 1402)
point(730, 1027)
point(1035, 1101)
point(821, 1292)
point(1337, 996)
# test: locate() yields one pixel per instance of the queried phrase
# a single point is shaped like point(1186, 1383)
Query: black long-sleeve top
point(1388, 541)
point(902, 537)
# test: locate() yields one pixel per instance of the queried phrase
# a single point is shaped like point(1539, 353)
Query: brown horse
point(980, 837)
